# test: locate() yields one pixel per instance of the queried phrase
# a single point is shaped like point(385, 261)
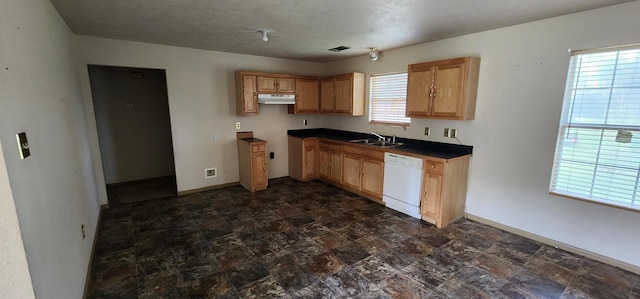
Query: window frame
point(566, 124)
point(371, 102)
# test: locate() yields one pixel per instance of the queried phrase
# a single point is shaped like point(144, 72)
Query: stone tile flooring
point(312, 240)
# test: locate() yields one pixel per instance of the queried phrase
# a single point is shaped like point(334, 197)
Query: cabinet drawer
point(258, 147)
point(367, 152)
point(331, 146)
point(309, 142)
point(433, 166)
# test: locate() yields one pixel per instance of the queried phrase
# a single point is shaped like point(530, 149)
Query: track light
point(373, 54)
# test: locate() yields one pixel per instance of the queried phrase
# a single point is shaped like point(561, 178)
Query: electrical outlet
point(210, 173)
point(238, 126)
point(216, 138)
point(427, 131)
point(23, 145)
point(446, 132)
point(454, 133)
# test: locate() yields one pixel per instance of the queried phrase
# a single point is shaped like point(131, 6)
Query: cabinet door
point(286, 85)
point(344, 95)
point(307, 95)
point(324, 165)
point(372, 177)
point(351, 171)
point(249, 95)
point(327, 96)
point(259, 169)
point(336, 167)
point(419, 82)
point(448, 86)
point(431, 197)
point(266, 84)
point(309, 161)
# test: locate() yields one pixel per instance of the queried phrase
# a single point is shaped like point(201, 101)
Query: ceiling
point(303, 29)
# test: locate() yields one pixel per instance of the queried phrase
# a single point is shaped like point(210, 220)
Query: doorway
point(131, 106)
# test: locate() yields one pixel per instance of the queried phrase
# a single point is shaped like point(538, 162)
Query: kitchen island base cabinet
point(444, 185)
point(252, 157)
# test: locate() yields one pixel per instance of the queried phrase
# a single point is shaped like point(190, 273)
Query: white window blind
point(598, 148)
point(388, 99)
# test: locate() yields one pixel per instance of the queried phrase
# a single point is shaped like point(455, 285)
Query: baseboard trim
point(93, 249)
point(208, 188)
point(553, 243)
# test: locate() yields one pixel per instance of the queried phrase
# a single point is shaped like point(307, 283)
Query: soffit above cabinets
point(303, 30)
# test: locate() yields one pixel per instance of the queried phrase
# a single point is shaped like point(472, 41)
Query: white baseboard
point(553, 243)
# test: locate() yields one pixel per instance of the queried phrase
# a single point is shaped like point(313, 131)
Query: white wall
point(522, 76)
point(53, 189)
point(135, 142)
point(201, 88)
point(15, 280)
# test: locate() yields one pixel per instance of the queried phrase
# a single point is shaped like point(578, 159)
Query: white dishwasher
point(402, 183)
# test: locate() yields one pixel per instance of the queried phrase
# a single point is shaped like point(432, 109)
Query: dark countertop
point(252, 140)
point(414, 146)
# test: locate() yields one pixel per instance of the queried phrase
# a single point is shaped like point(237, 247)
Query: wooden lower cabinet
point(303, 160)
point(360, 169)
point(444, 185)
point(430, 205)
point(363, 174)
point(252, 157)
point(372, 177)
point(330, 164)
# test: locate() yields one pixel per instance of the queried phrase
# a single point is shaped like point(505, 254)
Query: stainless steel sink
point(374, 142)
point(363, 141)
point(385, 144)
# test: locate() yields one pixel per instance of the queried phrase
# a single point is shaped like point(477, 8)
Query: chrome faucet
point(380, 137)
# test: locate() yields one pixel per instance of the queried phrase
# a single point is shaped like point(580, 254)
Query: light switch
point(23, 145)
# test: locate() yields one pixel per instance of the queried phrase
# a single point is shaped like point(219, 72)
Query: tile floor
point(312, 240)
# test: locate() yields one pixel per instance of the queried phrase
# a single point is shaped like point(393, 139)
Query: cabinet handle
point(433, 166)
point(433, 93)
point(264, 166)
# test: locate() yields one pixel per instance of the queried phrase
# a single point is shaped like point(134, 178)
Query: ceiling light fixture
point(373, 54)
point(265, 34)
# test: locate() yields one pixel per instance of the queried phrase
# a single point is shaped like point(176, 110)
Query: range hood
point(274, 99)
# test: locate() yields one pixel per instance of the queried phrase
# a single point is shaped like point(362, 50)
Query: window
point(388, 99)
point(598, 148)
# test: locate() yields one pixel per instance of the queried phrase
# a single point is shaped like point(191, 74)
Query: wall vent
point(210, 173)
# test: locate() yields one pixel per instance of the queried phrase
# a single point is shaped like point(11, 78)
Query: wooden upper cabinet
point(418, 91)
point(343, 94)
point(307, 97)
point(246, 94)
point(340, 94)
point(327, 96)
point(444, 89)
point(276, 84)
